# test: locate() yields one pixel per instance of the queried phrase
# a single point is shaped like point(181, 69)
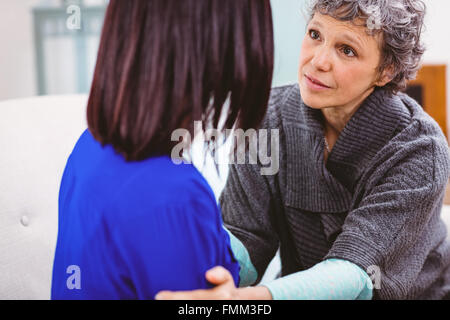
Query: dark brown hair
point(163, 64)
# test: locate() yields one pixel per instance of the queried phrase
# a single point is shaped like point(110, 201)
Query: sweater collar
point(369, 130)
point(372, 126)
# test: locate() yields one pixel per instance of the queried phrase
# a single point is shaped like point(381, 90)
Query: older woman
point(363, 170)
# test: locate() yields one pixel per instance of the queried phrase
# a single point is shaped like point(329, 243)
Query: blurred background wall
point(17, 65)
point(31, 27)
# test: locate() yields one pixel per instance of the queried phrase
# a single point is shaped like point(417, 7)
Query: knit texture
point(376, 202)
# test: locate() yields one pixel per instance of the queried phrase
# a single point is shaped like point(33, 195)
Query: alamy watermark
point(256, 151)
point(374, 273)
point(374, 19)
point(74, 280)
point(73, 22)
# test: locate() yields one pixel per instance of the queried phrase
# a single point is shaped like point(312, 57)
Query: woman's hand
point(219, 276)
point(224, 290)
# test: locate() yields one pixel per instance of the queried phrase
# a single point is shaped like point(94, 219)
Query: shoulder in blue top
point(128, 230)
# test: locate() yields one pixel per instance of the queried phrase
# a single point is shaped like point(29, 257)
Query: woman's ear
point(386, 77)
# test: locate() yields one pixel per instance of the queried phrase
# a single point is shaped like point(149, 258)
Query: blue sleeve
point(172, 247)
point(332, 279)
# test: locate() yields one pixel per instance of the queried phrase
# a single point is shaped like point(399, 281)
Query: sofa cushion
point(36, 137)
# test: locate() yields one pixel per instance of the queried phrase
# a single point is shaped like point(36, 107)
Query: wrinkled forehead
point(368, 17)
point(357, 27)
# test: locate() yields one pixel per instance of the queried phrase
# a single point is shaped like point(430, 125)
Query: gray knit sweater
point(376, 202)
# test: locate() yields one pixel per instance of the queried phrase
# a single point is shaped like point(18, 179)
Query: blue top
point(128, 230)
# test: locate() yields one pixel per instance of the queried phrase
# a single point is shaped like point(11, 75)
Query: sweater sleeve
point(247, 212)
point(389, 232)
point(332, 279)
point(250, 198)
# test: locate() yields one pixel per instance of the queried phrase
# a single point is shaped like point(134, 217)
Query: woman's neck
point(336, 118)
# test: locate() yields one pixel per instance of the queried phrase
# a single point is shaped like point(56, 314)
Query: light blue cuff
point(248, 273)
point(332, 279)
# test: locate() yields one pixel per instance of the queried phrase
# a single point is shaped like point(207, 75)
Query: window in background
point(66, 58)
point(65, 55)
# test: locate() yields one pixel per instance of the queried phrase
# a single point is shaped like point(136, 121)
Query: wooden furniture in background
point(429, 89)
point(447, 195)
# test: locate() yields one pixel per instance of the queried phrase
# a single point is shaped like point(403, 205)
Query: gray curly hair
point(400, 22)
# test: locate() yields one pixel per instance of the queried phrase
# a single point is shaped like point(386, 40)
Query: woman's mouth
point(315, 84)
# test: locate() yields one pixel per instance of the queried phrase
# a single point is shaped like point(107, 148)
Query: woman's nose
point(321, 60)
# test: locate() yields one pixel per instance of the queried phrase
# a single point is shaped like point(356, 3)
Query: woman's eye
point(349, 52)
point(314, 34)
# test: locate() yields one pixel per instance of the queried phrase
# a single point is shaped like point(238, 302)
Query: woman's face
point(343, 58)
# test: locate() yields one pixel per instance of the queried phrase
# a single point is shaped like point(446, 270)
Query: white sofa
point(36, 137)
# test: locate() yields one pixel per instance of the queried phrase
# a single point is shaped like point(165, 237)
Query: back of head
point(163, 64)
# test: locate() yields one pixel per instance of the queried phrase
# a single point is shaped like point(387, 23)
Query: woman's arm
point(396, 225)
point(250, 200)
point(246, 206)
point(331, 279)
point(247, 273)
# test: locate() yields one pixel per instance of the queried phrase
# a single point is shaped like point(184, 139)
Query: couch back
point(36, 138)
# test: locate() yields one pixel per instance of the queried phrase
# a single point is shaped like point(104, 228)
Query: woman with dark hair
point(131, 221)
